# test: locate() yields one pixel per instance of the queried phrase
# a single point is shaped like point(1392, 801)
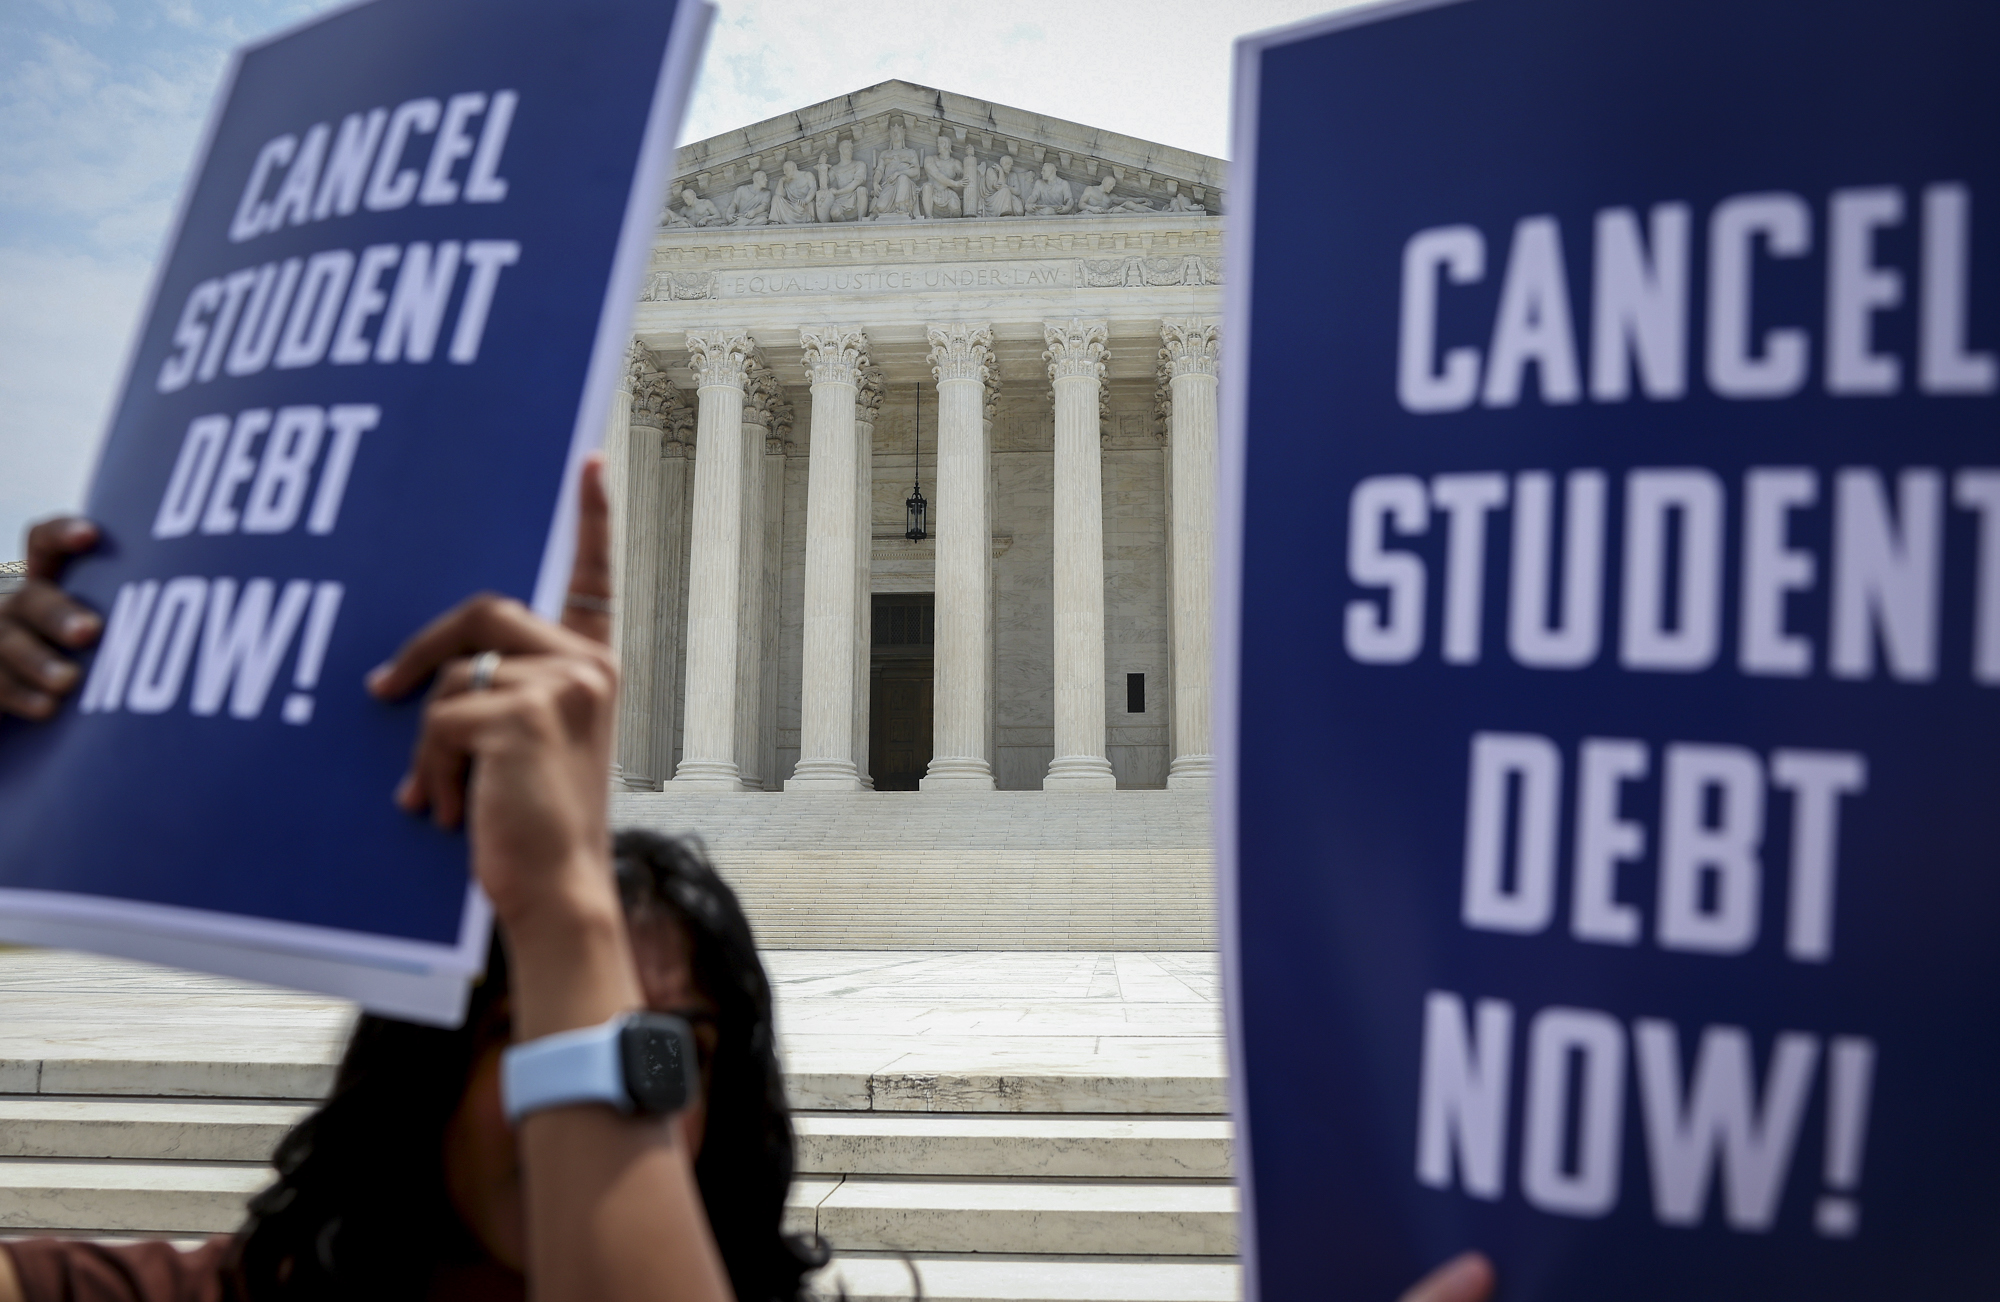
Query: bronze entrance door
point(899, 689)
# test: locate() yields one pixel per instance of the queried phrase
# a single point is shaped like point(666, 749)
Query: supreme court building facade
point(907, 292)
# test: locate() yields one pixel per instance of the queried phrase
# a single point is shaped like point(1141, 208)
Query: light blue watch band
point(580, 1066)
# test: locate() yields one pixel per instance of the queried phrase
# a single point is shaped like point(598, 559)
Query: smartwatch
point(641, 1063)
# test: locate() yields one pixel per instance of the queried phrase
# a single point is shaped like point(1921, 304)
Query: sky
point(104, 101)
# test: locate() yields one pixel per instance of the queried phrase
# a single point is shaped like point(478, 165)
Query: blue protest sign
point(381, 340)
point(1610, 815)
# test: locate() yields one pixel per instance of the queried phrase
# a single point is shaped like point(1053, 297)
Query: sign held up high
point(382, 340)
point(1610, 807)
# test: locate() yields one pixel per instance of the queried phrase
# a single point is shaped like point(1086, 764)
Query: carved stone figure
point(946, 180)
point(671, 219)
point(698, 211)
point(751, 204)
point(674, 286)
point(843, 187)
point(1178, 202)
point(1022, 182)
point(1097, 199)
point(997, 197)
point(896, 172)
point(1052, 196)
point(792, 204)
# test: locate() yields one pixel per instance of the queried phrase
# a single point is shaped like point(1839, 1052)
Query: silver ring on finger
point(484, 666)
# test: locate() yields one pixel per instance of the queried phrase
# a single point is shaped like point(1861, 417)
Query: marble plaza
point(1021, 1125)
point(904, 294)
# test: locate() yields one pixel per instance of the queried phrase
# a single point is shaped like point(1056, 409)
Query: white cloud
point(64, 332)
point(95, 13)
point(1155, 69)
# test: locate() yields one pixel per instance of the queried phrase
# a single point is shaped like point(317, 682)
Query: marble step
point(1013, 1146)
point(855, 1214)
point(901, 1143)
point(99, 1196)
point(1024, 1089)
point(1009, 870)
point(1108, 820)
point(816, 1082)
point(144, 1129)
point(1070, 1217)
point(986, 1277)
point(865, 1277)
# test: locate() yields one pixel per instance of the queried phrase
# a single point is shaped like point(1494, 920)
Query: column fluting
point(1075, 356)
point(776, 448)
point(867, 402)
point(961, 358)
point(638, 522)
point(1191, 348)
point(670, 624)
point(617, 444)
point(833, 358)
point(761, 399)
point(720, 360)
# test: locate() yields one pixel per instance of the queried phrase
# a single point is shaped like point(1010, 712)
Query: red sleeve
point(74, 1270)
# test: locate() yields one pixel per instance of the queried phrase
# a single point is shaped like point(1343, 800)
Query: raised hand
point(41, 627)
point(1468, 1277)
point(517, 733)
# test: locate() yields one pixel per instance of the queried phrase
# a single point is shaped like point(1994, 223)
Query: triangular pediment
point(1147, 177)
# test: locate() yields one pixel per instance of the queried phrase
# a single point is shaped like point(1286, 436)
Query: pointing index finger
point(590, 573)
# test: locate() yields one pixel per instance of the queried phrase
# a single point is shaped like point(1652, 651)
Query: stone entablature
point(901, 153)
point(1132, 271)
point(1167, 250)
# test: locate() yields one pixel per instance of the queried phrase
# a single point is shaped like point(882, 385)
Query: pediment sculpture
point(899, 182)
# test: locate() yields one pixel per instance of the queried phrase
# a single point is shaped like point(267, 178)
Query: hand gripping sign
point(1614, 795)
point(382, 339)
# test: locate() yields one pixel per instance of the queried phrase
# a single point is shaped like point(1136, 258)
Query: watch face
point(658, 1058)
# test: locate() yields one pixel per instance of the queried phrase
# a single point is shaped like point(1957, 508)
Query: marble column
point(638, 519)
point(721, 360)
point(1076, 367)
point(867, 402)
point(961, 358)
point(670, 624)
point(834, 357)
point(761, 398)
point(989, 409)
point(1190, 353)
point(617, 455)
point(776, 447)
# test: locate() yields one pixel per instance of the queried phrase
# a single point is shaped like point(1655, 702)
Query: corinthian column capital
point(868, 393)
point(961, 352)
point(677, 415)
point(720, 357)
point(1075, 349)
point(764, 400)
point(1192, 344)
point(639, 368)
point(652, 400)
point(834, 354)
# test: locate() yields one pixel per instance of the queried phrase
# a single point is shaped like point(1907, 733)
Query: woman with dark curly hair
point(423, 1176)
point(407, 1172)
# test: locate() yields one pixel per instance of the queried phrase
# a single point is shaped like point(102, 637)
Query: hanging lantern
point(914, 506)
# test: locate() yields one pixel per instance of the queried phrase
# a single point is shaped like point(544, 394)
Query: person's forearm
point(614, 1214)
point(571, 960)
point(10, 1280)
